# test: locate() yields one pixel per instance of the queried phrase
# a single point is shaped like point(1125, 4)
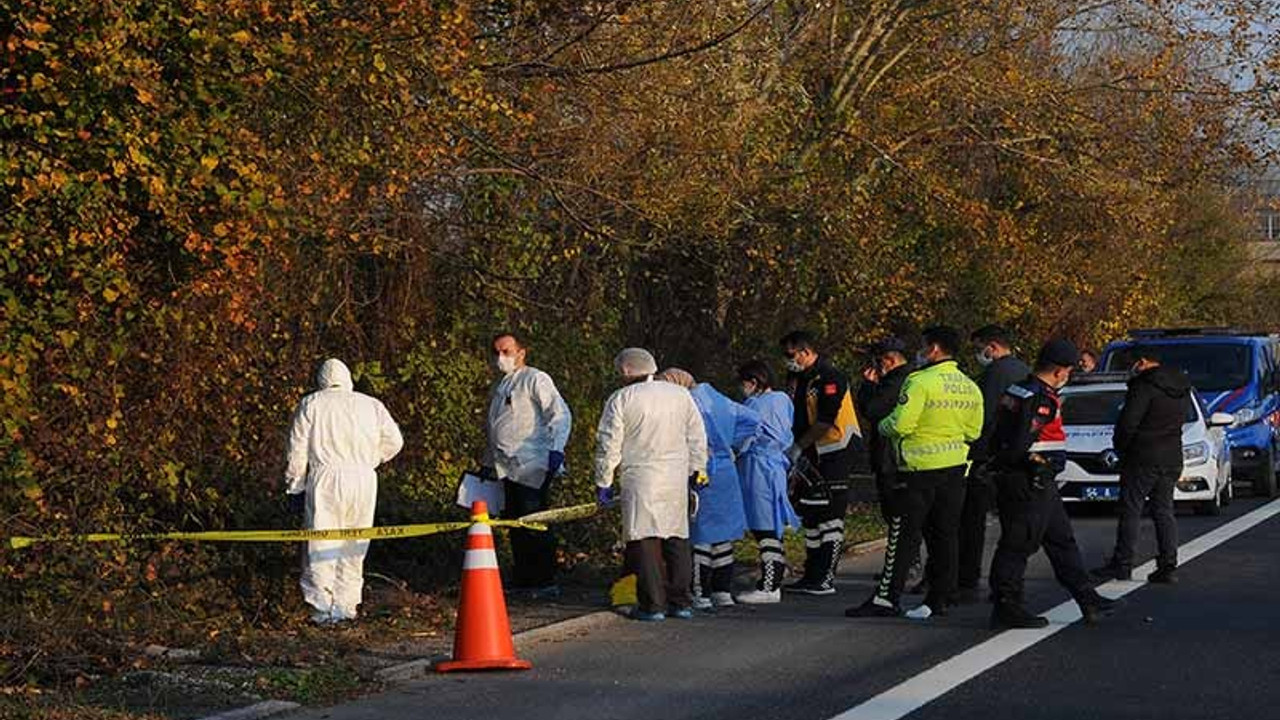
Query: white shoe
point(921, 612)
point(760, 597)
point(722, 599)
point(702, 603)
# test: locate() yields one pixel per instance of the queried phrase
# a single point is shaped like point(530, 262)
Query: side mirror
point(1221, 419)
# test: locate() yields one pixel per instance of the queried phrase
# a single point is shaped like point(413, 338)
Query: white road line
point(904, 699)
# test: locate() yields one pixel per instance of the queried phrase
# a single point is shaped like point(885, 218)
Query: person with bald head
point(720, 519)
point(652, 437)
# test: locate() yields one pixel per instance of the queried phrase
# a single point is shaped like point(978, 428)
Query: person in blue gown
point(762, 467)
point(720, 519)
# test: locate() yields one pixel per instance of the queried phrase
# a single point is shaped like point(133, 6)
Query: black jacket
point(995, 379)
point(876, 402)
point(1149, 431)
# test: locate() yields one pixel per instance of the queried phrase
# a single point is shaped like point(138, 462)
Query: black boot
point(811, 575)
point(1164, 576)
point(871, 608)
point(819, 570)
point(1110, 571)
point(1094, 607)
point(832, 556)
point(1010, 615)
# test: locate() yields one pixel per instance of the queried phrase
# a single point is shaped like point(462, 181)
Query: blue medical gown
point(729, 426)
point(763, 466)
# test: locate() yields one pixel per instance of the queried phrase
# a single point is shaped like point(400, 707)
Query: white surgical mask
point(922, 359)
point(506, 364)
point(983, 357)
point(794, 366)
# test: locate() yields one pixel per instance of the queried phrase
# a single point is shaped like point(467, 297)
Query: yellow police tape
point(536, 521)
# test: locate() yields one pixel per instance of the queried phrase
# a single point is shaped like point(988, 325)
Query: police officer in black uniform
point(825, 429)
point(1028, 451)
point(877, 397)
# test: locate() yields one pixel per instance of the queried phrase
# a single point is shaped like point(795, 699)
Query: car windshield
point(1100, 408)
point(1215, 367)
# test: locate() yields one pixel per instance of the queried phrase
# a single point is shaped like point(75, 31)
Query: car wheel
point(1265, 484)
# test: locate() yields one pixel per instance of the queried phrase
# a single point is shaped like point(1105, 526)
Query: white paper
point(473, 488)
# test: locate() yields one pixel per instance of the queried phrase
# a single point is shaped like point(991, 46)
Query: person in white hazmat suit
point(337, 439)
point(528, 428)
point(652, 435)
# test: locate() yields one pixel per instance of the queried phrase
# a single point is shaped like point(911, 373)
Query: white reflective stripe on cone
point(480, 560)
point(480, 528)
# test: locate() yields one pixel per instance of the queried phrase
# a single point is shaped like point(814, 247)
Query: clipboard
point(472, 487)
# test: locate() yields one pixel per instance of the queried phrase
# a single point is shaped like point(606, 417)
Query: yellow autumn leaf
point(209, 162)
point(241, 36)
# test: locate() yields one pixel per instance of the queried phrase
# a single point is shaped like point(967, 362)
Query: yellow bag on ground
point(623, 591)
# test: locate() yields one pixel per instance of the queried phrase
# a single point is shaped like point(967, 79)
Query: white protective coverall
point(653, 432)
point(338, 437)
point(527, 421)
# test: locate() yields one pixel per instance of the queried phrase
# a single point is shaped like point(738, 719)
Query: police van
point(1234, 372)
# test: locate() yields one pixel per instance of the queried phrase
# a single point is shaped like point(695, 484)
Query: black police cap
point(1060, 352)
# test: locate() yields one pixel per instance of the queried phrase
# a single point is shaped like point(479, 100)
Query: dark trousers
point(1025, 527)
point(822, 509)
point(533, 552)
point(664, 572)
point(927, 507)
point(973, 530)
point(887, 486)
point(1137, 487)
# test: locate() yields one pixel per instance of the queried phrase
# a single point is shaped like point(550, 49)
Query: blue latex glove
point(604, 496)
point(555, 461)
point(297, 503)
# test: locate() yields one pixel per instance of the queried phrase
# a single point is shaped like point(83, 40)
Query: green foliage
point(324, 685)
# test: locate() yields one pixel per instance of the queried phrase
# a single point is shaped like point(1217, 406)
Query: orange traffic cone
point(483, 637)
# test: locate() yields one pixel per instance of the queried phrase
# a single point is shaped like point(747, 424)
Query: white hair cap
point(635, 362)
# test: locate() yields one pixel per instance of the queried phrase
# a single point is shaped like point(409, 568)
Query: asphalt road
point(1206, 648)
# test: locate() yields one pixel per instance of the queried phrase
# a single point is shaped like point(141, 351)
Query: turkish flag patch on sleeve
point(830, 389)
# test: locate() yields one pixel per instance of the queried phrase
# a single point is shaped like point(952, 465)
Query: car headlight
point(1245, 416)
point(1195, 453)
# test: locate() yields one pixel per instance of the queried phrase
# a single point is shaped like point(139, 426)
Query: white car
point(1090, 406)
